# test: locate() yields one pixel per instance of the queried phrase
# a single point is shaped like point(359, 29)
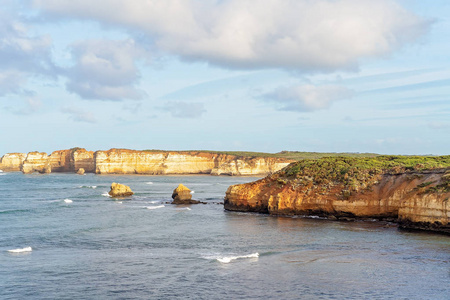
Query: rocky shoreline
point(416, 196)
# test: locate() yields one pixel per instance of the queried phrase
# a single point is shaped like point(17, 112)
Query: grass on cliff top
point(345, 169)
point(359, 173)
point(291, 155)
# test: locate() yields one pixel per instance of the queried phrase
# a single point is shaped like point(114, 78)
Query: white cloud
point(307, 97)
point(105, 70)
point(309, 36)
point(179, 109)
point(22, 55)
point(79, 115)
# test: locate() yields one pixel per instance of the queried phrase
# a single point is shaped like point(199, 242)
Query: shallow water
point(96, 247)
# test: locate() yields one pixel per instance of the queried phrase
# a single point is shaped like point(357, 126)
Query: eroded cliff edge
point(124, 161)
point(414, 191)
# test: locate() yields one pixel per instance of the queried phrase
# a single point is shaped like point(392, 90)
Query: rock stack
point(120, 190)
point(182, 195)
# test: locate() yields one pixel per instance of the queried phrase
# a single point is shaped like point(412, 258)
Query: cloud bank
point(105, 70)
point(22, 55)
point(305, 98)
point(302, 35)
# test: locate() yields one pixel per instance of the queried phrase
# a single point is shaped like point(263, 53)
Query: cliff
point(12, 162)
point(36, 162)
point(415, 191)
point(123, 161)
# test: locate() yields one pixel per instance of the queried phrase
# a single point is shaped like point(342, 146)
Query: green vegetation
point(291, 155)
point(359, 173)
point(337, 168)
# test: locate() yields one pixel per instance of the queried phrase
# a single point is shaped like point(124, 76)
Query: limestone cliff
point(82, 159)
point(36, 162)
point(122, 161)
point(344, 188)
point(12, 162)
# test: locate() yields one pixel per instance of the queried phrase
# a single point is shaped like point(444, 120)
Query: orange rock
point(394, 196)
point(120, 190)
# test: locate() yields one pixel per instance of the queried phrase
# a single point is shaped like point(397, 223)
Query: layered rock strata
point(415, 197)
point(36, 162)
point(123, 161)
point(12, 162)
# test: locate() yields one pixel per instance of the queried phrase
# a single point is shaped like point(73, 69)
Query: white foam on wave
point(149, 182)
point(155, 207)
point(1, 171)
point(105, 194)
point(192, 192)
point(228, 259)
point(88, 186)
point(21, 250)
point(67, 201)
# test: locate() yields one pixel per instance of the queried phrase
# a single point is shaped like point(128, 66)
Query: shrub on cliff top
point(344, 169)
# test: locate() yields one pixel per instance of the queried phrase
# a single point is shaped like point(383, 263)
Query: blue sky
point(254, 75)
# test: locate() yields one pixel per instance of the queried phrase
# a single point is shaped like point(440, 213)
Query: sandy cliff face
point(60, 161)
point(12, 162)
point(122, 161)
point(36, 162)
point(391, 196)
point(243, 166)
point(83, 159)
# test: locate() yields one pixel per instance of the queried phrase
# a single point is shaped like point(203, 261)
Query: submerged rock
point(120, 190)
point(182, 195)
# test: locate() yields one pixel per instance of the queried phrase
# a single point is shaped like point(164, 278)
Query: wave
point(154, 207)
point(192, 192)
point(88, 186)
point(149, 182)
point(68, 201)
point(21, 250)
point(12, 211)
point(105, 194)
point(228, 259)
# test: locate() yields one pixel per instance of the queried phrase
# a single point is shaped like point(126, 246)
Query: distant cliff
point(123, 161)
point(415, 191)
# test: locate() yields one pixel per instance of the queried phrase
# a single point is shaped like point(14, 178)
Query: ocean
point(86, 245)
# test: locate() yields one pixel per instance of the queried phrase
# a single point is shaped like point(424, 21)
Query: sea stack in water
point(120, 190)
point(80, 171)
point(182, 195)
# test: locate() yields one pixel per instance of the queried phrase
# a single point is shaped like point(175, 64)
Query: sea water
point(73, 241)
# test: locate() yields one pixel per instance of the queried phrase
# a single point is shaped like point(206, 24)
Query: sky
point(243, 75)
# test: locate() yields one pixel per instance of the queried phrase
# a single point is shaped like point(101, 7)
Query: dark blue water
point(142, 248)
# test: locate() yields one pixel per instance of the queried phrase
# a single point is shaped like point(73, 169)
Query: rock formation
point(80, 171)
point(182, 195)
point(36, 162)
point(122, 161)
point(120, 190)
point(416, 196)
point(12, 162)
